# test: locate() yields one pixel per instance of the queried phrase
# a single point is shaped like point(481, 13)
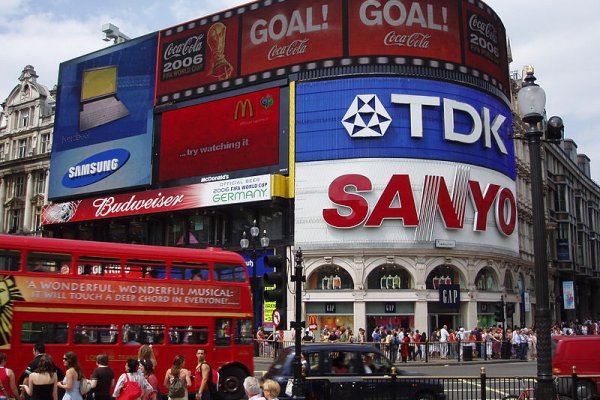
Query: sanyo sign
point(404, 118)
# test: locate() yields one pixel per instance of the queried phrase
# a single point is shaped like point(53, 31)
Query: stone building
point(26, 123)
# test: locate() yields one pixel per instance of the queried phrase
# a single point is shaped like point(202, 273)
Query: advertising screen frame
point(281, 153)
point(275, 39)
point(114, 89)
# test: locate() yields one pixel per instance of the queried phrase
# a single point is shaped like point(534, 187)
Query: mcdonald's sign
point(248, 137)
point(243, 106)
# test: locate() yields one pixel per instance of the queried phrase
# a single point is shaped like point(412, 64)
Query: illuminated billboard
point(231, 134)
point(102, 136)
point(453, 40)
point(396, 117)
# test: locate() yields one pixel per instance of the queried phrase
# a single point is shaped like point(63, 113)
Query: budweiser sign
point(232, 191)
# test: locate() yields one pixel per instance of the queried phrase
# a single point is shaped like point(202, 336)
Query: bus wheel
point(232, 383)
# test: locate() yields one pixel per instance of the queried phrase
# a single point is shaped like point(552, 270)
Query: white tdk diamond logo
point(366, 117)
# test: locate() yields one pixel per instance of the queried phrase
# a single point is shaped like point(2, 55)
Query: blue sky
point(559, 38)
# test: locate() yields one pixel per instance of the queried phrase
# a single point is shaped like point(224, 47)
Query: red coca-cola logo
point(417, 40)
point(296, 47)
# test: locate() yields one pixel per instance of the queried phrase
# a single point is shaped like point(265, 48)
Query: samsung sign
point(403, 118)
point(95, 168)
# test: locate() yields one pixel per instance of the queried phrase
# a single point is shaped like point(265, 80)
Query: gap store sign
point(403, 118)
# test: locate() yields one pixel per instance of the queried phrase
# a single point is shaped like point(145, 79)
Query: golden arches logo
point(243, 106)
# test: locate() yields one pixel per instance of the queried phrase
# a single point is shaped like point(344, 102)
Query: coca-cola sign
point(183, 57)
point(483, 38)
point(393, 27)
point(292, 32)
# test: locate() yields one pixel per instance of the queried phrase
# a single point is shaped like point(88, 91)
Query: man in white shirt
point(444, 335)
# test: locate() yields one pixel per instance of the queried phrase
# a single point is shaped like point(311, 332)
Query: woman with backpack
point(131, 385)
point(178, 379)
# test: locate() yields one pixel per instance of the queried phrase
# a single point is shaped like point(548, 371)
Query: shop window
point(508, 283)
point(330, 277)
point(442, 275)
point(389, 277)
point(486, 280)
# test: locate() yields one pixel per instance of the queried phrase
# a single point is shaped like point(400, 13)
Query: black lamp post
point(532, 103)
point(255, 252)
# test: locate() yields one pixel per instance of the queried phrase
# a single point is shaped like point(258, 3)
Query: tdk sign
point(95, 168)
point(403, 118)
point(366, 117)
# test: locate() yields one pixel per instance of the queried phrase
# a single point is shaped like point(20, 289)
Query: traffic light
point(510, 309)
point(499, 313)
point(278, 278)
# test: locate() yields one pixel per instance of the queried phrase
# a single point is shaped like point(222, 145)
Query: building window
point(45, 145)
point(21, 148)
point(37, 218)
point(40, 182)
point(2, 151)
point(19, 190)
point(24, 121)
point(15, 220)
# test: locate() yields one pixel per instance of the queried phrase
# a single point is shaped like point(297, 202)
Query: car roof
point(311, 347)
point(576, 337)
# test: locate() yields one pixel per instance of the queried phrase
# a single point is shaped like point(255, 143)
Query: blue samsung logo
point(95, 168)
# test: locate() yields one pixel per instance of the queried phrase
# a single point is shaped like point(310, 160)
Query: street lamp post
point(255, 252)
point(532, 103)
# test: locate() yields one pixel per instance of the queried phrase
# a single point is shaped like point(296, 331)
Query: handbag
point(131, 390)
point(85, 385)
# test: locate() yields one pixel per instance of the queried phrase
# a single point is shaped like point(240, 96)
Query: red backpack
point(131, 390)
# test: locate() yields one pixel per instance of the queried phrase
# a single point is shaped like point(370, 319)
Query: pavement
point(429, 362)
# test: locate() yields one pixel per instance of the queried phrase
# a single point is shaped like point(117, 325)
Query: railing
point(396, 387)
point(425, 352)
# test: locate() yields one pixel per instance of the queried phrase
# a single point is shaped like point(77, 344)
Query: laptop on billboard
point(99, 102)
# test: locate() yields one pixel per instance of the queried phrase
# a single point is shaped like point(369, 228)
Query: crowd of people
point(404, 344)
point(44, 380)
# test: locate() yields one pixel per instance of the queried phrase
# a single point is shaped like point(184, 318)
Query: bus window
point(223, 329)
point(243, 332)
point(95, 334)
point(229, 273)
point(10, 260)
point(44, 332)
point(143, 334)
point(98, 266)
point(145, 269)
point(189, 271)
point(188, 335)
point(48, 262)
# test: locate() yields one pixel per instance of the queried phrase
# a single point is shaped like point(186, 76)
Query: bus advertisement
point(96, 297)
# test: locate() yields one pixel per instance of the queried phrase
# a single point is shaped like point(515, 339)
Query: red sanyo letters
point(492, 197)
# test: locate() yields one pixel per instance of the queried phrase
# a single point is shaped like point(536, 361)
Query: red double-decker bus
point(95, 297)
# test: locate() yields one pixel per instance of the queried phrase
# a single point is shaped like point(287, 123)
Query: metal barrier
point(416, 352)
point(454, 388)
